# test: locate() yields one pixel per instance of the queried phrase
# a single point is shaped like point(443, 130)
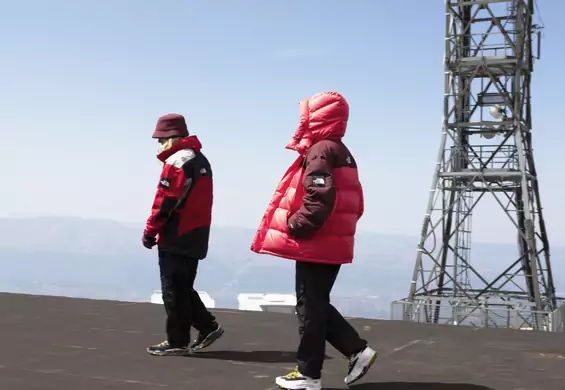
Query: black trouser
point(319, 320)
point(182, 303)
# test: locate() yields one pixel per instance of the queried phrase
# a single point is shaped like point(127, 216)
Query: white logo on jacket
point(319, 181)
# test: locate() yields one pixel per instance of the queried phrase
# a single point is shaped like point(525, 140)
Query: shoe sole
point(209, 340)
point(286, 388)
point(179, 352)
point(365, 369)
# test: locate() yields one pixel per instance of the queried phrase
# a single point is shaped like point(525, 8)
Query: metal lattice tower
point(486, 150)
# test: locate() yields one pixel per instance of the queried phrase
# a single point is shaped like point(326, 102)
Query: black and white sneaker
point(207, 337)
point(359, 364)
point(164, 349)
point(296, 381)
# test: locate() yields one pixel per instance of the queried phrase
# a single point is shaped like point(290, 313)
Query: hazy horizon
point(104, 259)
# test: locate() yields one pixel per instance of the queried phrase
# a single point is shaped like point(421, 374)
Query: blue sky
point(82, 84)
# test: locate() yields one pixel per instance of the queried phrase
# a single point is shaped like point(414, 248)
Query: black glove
point(148, 241)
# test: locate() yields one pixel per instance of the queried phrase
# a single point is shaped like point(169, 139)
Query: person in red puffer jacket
point(181, 216)
point(312, 219)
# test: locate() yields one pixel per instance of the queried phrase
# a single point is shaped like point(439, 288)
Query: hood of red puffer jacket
point(322, 116)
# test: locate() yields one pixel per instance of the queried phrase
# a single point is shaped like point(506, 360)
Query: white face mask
point(162, 145)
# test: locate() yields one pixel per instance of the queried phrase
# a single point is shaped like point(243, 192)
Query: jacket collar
point(191, 142)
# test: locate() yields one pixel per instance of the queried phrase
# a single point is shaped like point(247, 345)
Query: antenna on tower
point(485, 151)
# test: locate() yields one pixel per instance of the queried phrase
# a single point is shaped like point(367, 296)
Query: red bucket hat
point(171, 125)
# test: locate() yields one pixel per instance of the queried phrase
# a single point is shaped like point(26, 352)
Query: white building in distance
point(157, 298)
point(280, 303)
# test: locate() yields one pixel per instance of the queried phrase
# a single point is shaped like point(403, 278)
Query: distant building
point(157, 298)
point(280, 303)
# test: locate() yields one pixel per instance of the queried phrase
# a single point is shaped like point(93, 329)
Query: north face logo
point(165, 183)
point(319, 181)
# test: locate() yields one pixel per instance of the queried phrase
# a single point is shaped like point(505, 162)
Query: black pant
point(183, 305)
point(319, 320)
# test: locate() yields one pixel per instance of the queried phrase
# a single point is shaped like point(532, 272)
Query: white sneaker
point(296, 381)
point(359, 364)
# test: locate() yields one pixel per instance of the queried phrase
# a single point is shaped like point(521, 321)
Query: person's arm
point(169, 191)
point(320, 194)
point(361, 202)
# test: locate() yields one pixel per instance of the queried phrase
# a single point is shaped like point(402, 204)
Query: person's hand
point(148, 241)
point(292, 227)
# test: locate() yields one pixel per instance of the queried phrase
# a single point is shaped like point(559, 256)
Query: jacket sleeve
point(361, 202)
point(169, 191)
point(319, 196)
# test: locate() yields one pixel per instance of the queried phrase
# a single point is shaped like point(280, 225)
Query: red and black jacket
point(182, 210)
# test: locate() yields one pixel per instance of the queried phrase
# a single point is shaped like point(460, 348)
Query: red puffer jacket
point(313, 214)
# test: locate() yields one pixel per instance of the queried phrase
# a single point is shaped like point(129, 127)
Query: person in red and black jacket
point(312, 219)
point(179, 225)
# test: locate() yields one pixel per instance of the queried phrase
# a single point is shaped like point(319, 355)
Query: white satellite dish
point(496, 111)
point(488, 135)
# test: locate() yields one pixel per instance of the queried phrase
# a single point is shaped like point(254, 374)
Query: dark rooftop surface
point(52, 343)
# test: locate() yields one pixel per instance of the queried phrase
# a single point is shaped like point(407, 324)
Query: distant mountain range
point(105, 260)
